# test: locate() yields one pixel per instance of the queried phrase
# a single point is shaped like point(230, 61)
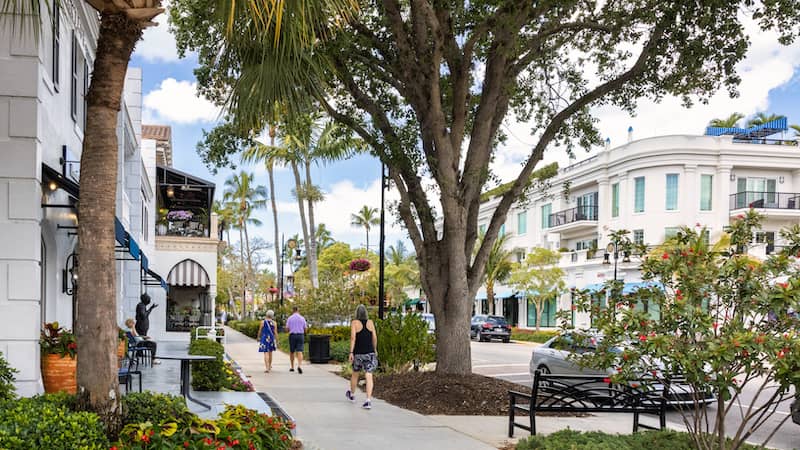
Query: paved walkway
point(326, 420)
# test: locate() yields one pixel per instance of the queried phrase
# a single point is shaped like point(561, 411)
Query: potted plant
point(59, 359)
point(122, 344)
point(359, 265)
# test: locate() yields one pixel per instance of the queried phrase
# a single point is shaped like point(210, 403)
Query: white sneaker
point(367, 404)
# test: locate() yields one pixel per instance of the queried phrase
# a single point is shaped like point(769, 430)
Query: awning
point(413, 301)
point(499, 292)
point(125, 240)
point(627, 288)
point(188, 273)
point(69, 186)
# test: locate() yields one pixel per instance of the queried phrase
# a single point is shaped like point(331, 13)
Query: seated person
point(142, 341)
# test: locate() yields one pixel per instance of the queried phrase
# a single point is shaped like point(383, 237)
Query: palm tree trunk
point(270, 168)
point(96, 330)
point(249, 262)
point(490, 295)
point(244, 272)
point(299, 190)
point(311, 254)
point(366, 249)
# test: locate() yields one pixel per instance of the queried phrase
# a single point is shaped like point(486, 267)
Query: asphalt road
point(510, 362)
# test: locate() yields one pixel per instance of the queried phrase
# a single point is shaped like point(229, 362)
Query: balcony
point(573, 220)
point(773, 204)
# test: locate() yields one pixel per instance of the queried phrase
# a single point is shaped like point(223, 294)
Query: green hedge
point(540, 336)
point(404, 342)
point(246, 327)
point(208, 375)
point(139, 407)
point(340, 350)
point(7, 372)
point(337, 333)
point(650, 440)
point(46, 422)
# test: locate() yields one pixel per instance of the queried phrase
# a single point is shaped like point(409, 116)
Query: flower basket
point(360, 265)
point(59, 373)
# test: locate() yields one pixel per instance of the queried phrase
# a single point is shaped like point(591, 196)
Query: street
point(510, 362)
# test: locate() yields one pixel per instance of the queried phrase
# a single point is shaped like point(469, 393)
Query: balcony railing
point(183, 228)
point(765, 200)
point(572, 215)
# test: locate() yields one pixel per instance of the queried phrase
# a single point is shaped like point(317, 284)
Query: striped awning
point(188, 273)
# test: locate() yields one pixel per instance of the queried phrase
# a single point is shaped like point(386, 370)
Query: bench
point(588, 394)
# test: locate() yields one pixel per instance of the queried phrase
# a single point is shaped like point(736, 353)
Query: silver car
point(554, 356)
point(431, 322)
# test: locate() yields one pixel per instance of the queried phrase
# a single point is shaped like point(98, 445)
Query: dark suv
point(486, 328)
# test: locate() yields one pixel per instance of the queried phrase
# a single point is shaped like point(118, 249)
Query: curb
point(528, 343)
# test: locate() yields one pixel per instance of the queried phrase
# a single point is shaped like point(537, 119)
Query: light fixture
point(781, 179)
point(733, 177)
point(170, 192)
point(69, 278)
point(53, 186)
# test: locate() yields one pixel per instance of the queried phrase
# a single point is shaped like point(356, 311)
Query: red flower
point(574, 307)
point(760, 339)
point(745, 353)
point(252, 429)
point(715, 325)
point(684, 254)
point(781, 354)
point(642, 338)
point(269, 420)
point(208, 441)
point(607, 380)
point(186, 444)
point(783, 285)
point(292, 425)
point(654, 372)
point(145, 438)
point(72, 346)
point(113, 448)
point(235, 442)
point(284, 437)
point(665, 255)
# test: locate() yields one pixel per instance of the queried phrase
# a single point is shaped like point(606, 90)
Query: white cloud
point(158, 44)
point(767, 66)
point(178, 102)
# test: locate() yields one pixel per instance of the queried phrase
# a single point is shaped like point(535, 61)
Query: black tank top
point(364, 340)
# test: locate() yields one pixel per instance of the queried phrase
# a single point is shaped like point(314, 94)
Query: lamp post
point(381, 253)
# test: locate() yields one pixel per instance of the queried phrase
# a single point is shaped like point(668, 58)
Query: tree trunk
point(490, 295)
point(539, 307)
point(366, 248)
point(298, 186)
point(244, 272)
point(271, 174)
point(96, 331)
point(311, 254)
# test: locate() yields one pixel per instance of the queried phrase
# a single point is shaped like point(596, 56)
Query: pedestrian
point(363, 353)
point(141, 341)
point(143, 315)
point(267, 338)
point(296, 326)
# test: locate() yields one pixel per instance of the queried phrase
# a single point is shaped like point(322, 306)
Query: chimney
point(630, 134)
point(608, 143)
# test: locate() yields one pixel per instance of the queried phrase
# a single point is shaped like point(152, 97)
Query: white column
point(603, 209)
point(796, 180)
point(721, 198)
point(688, 194)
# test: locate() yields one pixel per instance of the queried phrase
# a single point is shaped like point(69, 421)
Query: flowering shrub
point(236, 428)
point(56, 340)
point(180, 215)
point(725, 320)
point(236, 380)
point(360, 265)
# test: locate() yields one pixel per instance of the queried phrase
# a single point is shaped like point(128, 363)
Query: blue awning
point(499, 292)
point(759, 131)
point(594, 287)
point(125, 241)
point(630, 288)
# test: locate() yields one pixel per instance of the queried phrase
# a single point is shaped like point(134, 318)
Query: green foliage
point(57, 340)
point(207, 375)
point(539, 278)
point(540, 336)
point(340, 351)
point(236, 428)
point(337, 333)
point(651, 440)
point(247, 327)
point(204, 332)
point(140, 407)
point(47, 422)
point(724, 321)
point(403, 341)
point(221, 144)
point(539, 175)
point(6, 380)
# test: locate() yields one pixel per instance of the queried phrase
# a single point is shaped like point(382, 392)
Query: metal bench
point(588, 394)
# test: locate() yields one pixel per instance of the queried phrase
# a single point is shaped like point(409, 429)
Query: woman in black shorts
point(363, 353)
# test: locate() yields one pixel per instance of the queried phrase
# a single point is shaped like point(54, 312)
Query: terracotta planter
point(59, 373)
point(121, 347)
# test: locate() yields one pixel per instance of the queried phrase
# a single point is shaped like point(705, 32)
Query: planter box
point(59, 373)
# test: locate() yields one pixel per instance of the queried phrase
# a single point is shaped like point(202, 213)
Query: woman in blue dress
point(267, 339)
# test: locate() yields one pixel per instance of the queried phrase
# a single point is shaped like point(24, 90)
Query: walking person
point(363, 353)
point(296, 326)
point(267, 339)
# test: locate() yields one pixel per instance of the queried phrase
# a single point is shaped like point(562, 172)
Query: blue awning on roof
point(756, 132)
point(500, 292)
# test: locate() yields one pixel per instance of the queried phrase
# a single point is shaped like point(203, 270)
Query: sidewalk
point(326, 420)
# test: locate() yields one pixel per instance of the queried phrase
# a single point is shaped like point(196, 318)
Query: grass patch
point(540, 336)
point(650, 440)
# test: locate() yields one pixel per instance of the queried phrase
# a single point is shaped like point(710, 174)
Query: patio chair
point(137, 351)
point(126, 374)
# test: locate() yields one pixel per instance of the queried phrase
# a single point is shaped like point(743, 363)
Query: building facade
point(651, 187)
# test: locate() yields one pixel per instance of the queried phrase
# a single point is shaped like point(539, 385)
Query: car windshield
point(497, 320)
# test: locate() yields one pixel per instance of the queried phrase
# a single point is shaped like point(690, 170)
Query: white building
point(42, 115)
point(650, 187)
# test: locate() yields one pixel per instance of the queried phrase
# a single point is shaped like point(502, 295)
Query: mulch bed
point(453, 395)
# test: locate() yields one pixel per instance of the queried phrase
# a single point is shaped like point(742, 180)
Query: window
point(548, 313)
point(615, 200)
point(586, 244)
point(482, 228)
point(756, 193)
point(706, 183)
point(520, 256)
point(672, 192)
point(522, 222)
point(54, 67)
point(546, 210)
point(502, 230)
point(670, 232)
point(587, 206)
point(638, 237)
point(73, 93)
point(706, 236)
point(638, 195)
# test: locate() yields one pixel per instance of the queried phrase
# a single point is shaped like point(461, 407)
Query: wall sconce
point(69, 275)
point(170, 192)
point(733, 177)
point(781, 179)
point(53, 186)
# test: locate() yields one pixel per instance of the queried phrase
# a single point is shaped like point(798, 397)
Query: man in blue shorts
point(296, 326)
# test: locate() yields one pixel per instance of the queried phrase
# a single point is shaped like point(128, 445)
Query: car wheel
point(506, 340)
point(481, 338)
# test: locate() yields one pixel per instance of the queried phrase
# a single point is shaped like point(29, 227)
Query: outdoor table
point(186, 373)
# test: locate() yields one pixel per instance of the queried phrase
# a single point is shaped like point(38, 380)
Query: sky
point(770, 83)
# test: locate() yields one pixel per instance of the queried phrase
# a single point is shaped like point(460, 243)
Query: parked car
point(555, 356)
point(795, 407)
point(431, 322)
point(486, 328)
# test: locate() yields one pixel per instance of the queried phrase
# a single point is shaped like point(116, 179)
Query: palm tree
point(796, 129)
point(121, 26)
point(398, 254)
point(762, 118)
point(728, 122)
point(324, 237)
point(244, 199)
point(498, 265)
point(226, 218)
point(366, 218)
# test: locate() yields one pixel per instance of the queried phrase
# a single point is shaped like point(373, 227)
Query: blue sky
point(770, 82)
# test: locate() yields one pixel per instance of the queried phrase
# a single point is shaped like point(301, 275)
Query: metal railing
point(765, 200)
point(572, 215)
point(763, 141)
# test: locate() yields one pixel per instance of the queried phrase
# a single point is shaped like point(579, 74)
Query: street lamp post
point(381, 254)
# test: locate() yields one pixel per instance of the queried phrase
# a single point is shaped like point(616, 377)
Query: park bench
point(578, 394)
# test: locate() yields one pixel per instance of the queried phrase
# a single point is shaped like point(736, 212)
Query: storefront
point(188, 300)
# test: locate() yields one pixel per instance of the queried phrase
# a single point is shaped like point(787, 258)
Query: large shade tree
point(428, 84)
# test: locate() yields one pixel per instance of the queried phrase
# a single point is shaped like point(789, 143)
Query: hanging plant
point(360, 265)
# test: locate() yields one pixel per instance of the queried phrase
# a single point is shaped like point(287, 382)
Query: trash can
point(319, 348)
